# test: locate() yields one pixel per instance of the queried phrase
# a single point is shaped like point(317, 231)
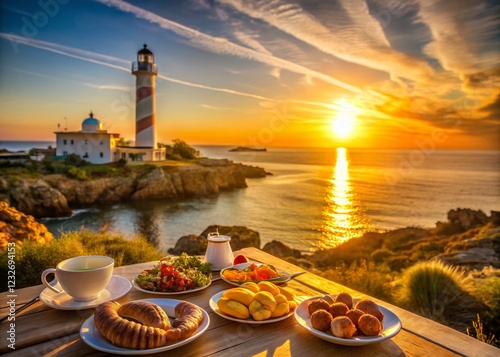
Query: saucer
point(116, 288)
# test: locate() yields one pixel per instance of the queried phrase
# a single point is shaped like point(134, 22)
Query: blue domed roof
point(91, 124)
point(91, 121)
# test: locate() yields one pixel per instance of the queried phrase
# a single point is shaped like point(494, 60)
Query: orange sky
point(253, 73)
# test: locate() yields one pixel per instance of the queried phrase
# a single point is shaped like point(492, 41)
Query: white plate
point(392, 326)
point(278, 281)
point(93, 338)
point(116, 288)
point(168, 293)
point(215, 308)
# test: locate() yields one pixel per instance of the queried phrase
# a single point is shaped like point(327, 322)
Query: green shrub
point(58, 167)
point(446, 229)
point(398, 263)
point(78, 173)
point(175, 157)
point(487, 290)
point(185, 151)
point(122, 162)
point(33, 258)
point(124, 251)
point(366, 277)
point(73, 160)
point(439, 292)
point(381, 255)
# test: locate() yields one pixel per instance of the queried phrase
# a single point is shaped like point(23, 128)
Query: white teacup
point(82, 278)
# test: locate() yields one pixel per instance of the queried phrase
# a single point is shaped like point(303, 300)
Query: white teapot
point(219, 252)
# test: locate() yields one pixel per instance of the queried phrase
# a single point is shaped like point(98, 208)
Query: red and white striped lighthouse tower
point(145, 71)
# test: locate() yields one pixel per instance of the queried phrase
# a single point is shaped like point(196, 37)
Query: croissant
point(151, 329)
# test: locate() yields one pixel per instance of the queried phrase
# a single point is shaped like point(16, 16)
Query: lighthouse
point(145, 71)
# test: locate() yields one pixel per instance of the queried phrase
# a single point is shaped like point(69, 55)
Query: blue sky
point(265, 73)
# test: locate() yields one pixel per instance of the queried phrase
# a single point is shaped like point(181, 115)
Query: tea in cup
point(83, 277)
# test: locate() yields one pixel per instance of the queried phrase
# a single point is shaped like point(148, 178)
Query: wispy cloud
point(221, 45)
point(65, 79)
point(109, 87)
point(353, 34)
point(459, 31)
point(88, 56)
point(93, 57)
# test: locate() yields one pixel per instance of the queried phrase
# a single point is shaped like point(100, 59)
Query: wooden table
point(43, 331)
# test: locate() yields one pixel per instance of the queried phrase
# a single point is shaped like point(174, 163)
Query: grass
point(33, 258)
point(365, 276)
point(439, 292)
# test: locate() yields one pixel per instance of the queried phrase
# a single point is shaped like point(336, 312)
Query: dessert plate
point(134, 284)
point(93, 338)
point(116, 288)
point(392, 326)
point(215, 308)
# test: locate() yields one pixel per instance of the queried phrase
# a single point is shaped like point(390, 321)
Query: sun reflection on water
point(342, 216)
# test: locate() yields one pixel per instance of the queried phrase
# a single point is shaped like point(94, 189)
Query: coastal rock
point(191, 244)
point(481, 250)
point(474, 258)
point(17, 227)
point(253, 171)
point(246, 148)
point(465, 218)
point(154, 185)
point(241, 237)
point(214, 162)
point(52, 195)
point(177, 183)
point(281, 250)
point(198, 181)
point(495, 217)
point(103, 190)
point(37, 198)
point(247, 171)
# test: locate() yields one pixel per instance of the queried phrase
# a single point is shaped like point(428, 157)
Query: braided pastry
point(151, 330)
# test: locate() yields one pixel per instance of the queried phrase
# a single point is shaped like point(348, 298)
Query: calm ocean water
point(318, 197)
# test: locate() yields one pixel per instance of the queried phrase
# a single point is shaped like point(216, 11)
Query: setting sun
point(345, 119)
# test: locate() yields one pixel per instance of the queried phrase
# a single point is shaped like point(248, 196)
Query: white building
point(97, 146)
point(93, 143)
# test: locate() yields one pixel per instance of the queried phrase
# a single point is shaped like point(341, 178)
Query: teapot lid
point(216, 238)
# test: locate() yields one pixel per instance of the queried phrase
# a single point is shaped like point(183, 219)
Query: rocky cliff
point(15, 227)
point(55, 195)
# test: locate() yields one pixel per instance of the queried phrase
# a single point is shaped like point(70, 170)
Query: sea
point(314, 197)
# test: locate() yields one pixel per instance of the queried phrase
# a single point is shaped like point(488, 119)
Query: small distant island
point(245, 148)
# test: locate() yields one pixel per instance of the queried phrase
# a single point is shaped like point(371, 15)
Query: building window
point(86, 155)
point(102, 142)
point(86, 141)
point(65, 142)
point(101, 154)
point(72, 142)
point(65, 153)
point(124, 155)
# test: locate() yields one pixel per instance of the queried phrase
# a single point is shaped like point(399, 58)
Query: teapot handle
point(213, 234)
